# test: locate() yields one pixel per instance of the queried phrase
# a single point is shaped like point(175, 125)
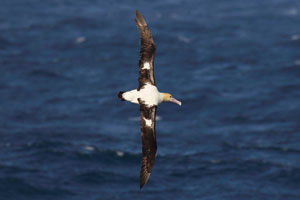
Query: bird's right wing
point(147, 52)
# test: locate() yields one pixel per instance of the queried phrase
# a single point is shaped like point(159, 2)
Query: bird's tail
point(120, 96)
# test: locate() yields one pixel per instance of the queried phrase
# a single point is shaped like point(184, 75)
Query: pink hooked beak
point(176, 101)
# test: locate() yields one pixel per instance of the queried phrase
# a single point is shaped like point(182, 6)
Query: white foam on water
point(184, 39)
point(295, 37)
point(89, 148)
point(80, 39)
point(120, 153)
point(158, 118)
point(292, 12)
point(134, 119)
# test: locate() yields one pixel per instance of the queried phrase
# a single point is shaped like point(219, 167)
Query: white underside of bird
point(149, 94)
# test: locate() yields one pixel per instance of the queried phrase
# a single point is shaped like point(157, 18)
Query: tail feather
point(120, 96)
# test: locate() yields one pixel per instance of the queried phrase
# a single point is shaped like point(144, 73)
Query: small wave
point(40, 26)
point(215, 161)
point(44, 144)
point(134, 119)
point(4, 86)
point(80, 40)
point(46, 73)
point(93, 177)
point(295, 37)
point(107, 156)
point(4, 43)
point(184, 39)
point(81, 22)
point(291, 12)
point(120, 153)
point(262, 148)
point(8, 169)
point(16, 188)
point(89, 148)
point(101, 177)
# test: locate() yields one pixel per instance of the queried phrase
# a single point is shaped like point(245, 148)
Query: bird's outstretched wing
point(148, 141)
point(147, 52)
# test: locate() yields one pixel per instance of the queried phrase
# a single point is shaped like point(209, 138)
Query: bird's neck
point(161, 97)
point(164, 97)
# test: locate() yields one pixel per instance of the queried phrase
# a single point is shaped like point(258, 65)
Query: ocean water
point(234, 64)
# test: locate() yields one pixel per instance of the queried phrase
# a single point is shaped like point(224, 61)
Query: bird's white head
point(166, 97)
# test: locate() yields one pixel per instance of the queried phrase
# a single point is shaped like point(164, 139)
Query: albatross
point(148, 97)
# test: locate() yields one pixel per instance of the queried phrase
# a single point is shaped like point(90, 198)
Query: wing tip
point(145, 172)
point(137, 13)
point(144, 179)
point(140, 21)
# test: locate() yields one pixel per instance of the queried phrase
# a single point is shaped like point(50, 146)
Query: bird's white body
point(148, 94)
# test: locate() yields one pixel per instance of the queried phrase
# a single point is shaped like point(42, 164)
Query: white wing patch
point(146, 65)
point(148, 122)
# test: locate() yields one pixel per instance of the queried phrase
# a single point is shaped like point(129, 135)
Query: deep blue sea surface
point(234, 64)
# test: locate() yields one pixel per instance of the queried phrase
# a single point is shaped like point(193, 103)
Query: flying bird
point(148, 97)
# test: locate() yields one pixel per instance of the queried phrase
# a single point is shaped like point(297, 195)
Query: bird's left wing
point(147, 52)
point(148, 141)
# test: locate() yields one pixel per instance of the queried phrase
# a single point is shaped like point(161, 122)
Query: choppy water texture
point(234, 64)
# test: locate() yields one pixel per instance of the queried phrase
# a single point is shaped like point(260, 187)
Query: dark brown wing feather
point(147, 52)
point(148, 141)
